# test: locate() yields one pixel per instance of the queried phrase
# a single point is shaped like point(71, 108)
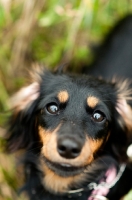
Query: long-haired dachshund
point(75, 130)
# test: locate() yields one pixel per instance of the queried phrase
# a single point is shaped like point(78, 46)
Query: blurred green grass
point(52, 32)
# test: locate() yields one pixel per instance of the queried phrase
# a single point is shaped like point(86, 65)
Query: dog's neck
point(75, 186)
point(60, 185)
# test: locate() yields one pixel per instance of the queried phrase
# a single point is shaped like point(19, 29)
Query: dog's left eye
point(98, 116)
point(52, 108)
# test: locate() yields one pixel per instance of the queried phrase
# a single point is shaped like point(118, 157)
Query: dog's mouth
point(63, 169)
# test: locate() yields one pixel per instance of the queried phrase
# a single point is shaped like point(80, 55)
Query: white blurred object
point(129, 151)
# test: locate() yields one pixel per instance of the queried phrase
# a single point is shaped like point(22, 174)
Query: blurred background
point(52, 33)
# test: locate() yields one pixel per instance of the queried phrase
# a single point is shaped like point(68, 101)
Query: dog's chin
point(63, 169)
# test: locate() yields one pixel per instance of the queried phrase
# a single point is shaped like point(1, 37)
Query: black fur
point(114, 56)
point(77, 121)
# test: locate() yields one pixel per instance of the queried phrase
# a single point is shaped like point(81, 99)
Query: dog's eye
point(52, 108)
point(98, 116)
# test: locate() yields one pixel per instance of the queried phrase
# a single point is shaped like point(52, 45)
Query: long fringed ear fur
point(122, 128)
point(124, 103)
point(22, 131)
point(61, 69)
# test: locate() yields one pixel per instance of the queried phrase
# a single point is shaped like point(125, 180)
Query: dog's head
point(69, 121)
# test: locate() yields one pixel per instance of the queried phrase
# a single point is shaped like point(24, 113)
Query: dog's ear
point(124, 102)
point(21, 132)
point(125, 110)
point(24, 98)
point(121, 136)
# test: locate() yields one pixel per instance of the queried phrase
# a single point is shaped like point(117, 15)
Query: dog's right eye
point(52, 108)
point(98, 116)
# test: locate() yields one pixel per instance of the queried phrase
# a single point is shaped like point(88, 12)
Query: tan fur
point(35, 72)
point(124, 93)
point(92, 101)
point(56, 183)
point(63, 96)
point(24, 97)
point(95, 144)
point(124, 90)
point(125, 111)
point(49, 150)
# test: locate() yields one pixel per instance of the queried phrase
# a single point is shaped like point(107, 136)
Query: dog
point(75, 130)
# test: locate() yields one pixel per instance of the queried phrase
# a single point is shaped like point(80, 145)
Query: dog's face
point(73, 119)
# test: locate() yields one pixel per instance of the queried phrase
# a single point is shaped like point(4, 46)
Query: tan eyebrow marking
point(63, 96)
point(92, 101)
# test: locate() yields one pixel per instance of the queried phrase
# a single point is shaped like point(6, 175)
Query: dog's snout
point(69, 148)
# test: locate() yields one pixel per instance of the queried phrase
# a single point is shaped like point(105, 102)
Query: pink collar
point(99, 191)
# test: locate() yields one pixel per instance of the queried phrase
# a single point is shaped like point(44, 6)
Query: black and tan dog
point(75, 130)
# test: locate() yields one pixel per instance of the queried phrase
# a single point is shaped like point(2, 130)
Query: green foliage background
point(51, 32)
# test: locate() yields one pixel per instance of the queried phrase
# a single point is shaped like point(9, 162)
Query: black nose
point(69, 148)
